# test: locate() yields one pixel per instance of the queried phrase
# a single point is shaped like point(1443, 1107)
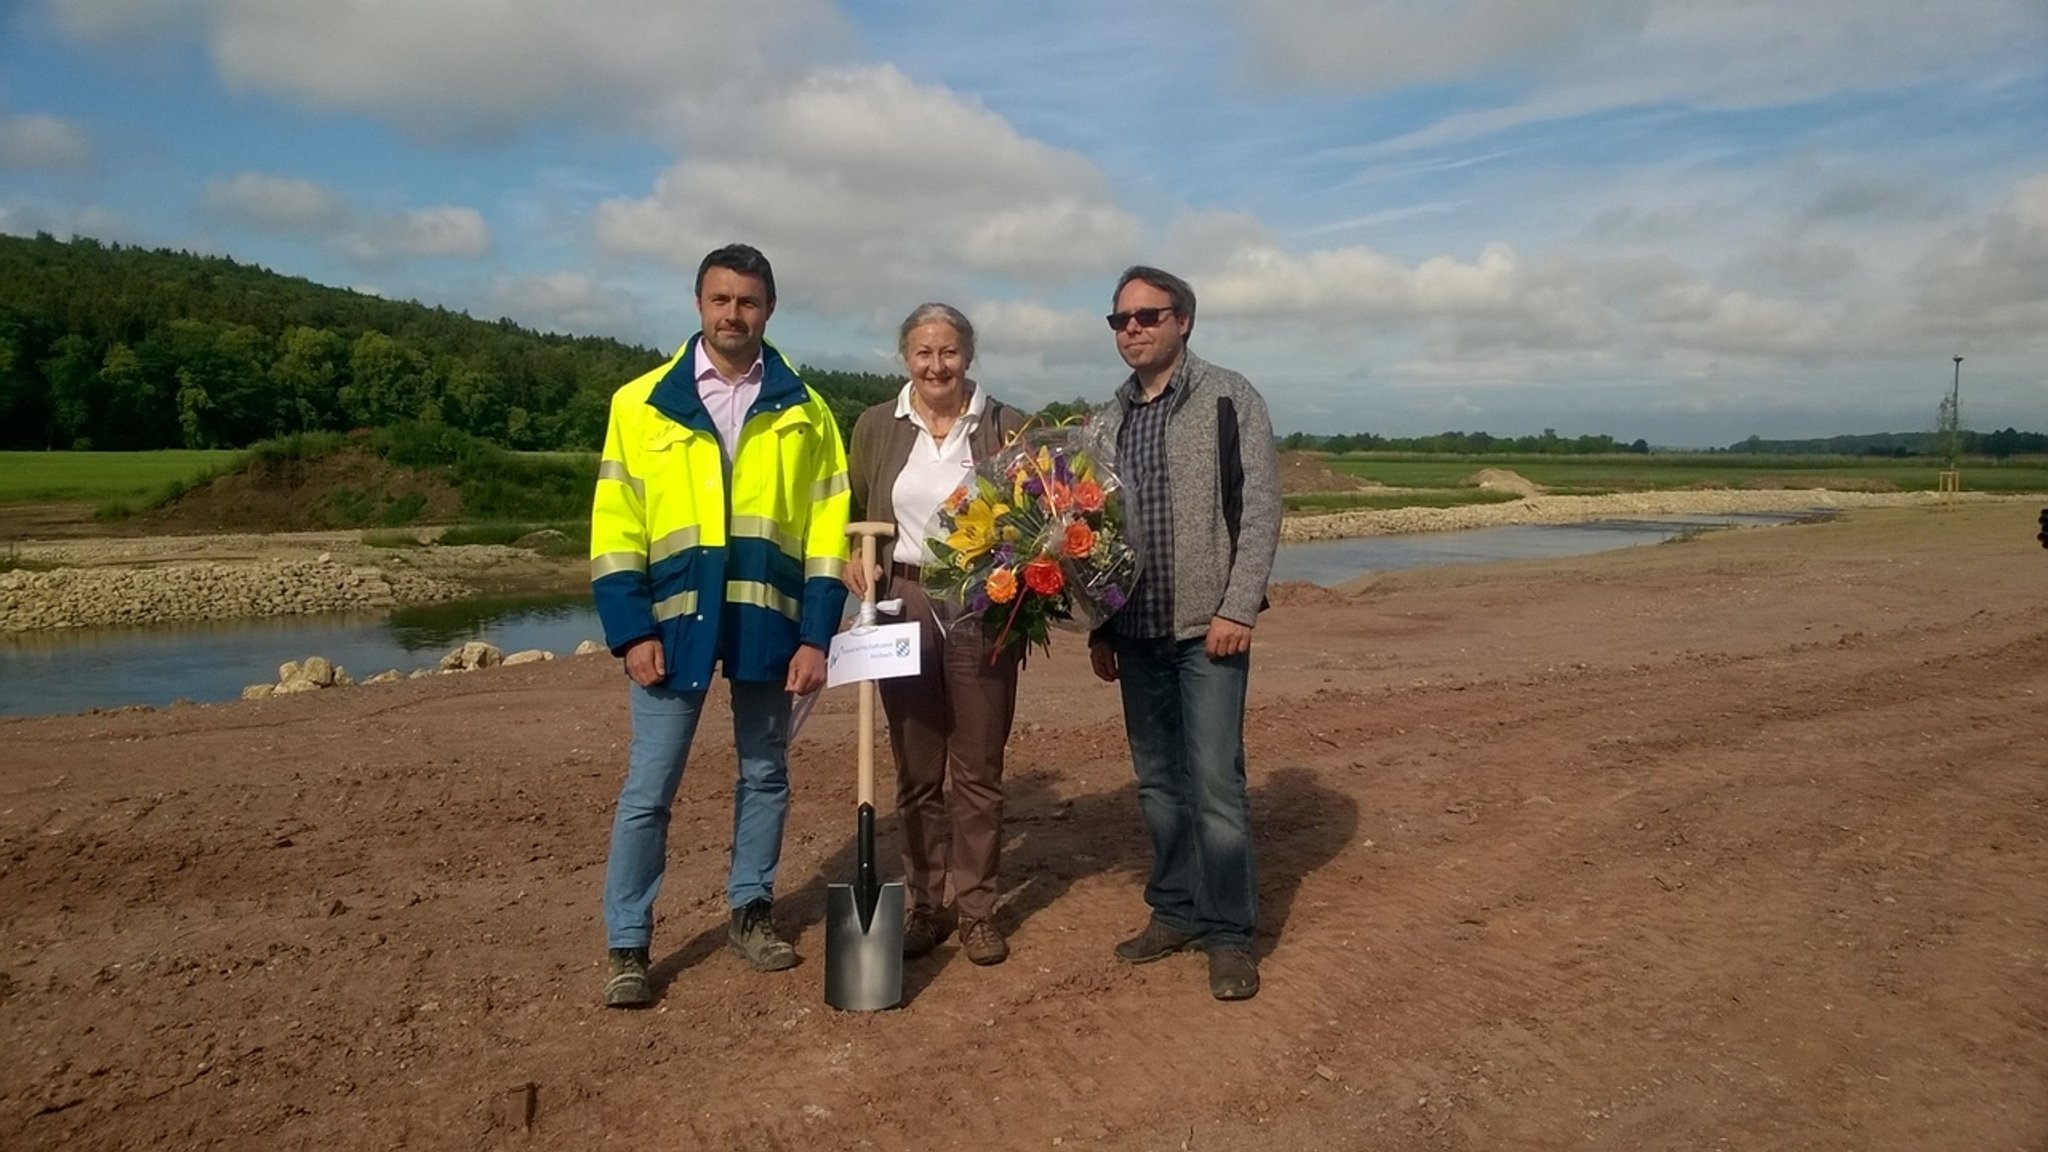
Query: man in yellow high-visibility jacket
point(717, 536)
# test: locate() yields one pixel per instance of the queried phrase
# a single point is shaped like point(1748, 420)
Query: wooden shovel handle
point(866, 531)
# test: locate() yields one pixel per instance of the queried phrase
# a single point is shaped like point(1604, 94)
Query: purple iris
point(1033, 486)
point(1059, 467)
point(978, 602)
point(1113, 598)
point(1006, 556)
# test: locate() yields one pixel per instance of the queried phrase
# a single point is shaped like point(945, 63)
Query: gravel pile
point(213, 590)
point(1576, 509)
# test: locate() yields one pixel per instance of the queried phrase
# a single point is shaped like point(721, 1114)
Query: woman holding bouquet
point(948, 724)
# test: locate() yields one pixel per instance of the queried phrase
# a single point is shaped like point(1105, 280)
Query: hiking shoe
point(628, 986)
point(1156, 942)
point(982, 943)
point(753, 936)
point(1233, 973)
point(924, 930)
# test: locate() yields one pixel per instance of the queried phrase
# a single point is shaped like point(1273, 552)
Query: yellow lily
point(974, 531)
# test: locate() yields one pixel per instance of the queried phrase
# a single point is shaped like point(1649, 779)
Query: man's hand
point(1102, 654)
point(806, 670)
point(858, 576)
point(1227, 638)
point(644, 662)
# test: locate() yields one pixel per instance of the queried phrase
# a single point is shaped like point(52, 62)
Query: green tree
point(387, 382)
point(1060, 411)
point(306, 378)
point(472, 399)
point(73, 380)
point(140, 414)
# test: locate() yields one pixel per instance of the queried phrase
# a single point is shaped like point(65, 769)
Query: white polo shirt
point(935, 468)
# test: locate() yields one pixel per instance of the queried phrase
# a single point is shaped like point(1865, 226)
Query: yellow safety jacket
point(736, 562)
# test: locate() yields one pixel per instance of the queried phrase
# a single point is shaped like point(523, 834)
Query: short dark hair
point(1176, 290)
point(744, 259)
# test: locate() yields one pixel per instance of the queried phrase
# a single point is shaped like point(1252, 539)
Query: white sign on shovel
point(871, 653)
point(883, 652)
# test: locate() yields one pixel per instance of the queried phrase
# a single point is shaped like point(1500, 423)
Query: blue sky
point(1685, 220)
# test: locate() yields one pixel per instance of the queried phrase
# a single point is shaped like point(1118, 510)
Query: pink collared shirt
point(726, 400)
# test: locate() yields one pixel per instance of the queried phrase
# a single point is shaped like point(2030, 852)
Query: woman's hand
point(858, 576)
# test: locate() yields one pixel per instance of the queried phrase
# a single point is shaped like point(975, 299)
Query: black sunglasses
point(1146, 317)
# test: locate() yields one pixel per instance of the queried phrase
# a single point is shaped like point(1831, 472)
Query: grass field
point(45, 477)
point(1589, 475)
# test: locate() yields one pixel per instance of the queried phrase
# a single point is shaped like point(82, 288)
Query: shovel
point(864, 919)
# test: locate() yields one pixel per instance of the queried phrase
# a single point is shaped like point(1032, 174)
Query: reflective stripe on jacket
point(736, 564)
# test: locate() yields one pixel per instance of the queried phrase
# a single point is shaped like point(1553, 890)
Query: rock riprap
point(296, 676)
point(207, 590)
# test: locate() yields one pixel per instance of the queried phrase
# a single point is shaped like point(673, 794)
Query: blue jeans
point(664, 721)
point(1184, 714)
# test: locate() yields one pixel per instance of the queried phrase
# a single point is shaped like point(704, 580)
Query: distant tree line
point(1464, 444)
point(111, 347)
point(1901, 445)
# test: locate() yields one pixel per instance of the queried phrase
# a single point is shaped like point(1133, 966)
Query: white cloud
point(570, 302)
point(1992, 278)
point(867, 187)
point(296, 206)
point(39, 141)
point(486, 68)
point(65, 223)
point(1461, 306)
point(441, 231)
point(1380, 46)
point(1570, 59)
point(274, 203)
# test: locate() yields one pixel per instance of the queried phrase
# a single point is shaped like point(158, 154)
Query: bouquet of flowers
point(1035, 535)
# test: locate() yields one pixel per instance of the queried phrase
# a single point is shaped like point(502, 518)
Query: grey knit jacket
point(1210, 577)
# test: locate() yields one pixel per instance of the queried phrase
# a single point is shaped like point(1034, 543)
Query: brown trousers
point(951, 719)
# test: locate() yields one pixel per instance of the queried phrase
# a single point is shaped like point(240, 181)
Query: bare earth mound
point(1736, 843)
point(1302, 474)
point(350, 488)
point(1504, 480)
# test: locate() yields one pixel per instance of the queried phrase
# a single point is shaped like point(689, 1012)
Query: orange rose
point(1080, 539)
point(1088, 496)
point(1002, 585)
point(1044, 577)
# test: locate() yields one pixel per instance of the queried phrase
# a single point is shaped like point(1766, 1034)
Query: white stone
point(530, 656)
point(258, 691)
point(589, 648)
point(475, 654)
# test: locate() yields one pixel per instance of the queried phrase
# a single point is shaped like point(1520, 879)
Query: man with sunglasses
point(1194, 446)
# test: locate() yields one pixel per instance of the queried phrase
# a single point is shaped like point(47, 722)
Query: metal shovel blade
point(863, 961)
point(864, 932)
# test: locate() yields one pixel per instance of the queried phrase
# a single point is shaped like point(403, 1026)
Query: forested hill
point(110, 347)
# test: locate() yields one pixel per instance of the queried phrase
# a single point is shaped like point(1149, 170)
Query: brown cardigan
point(881, 446)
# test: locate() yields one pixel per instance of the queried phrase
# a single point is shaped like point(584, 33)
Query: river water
point(76, 670)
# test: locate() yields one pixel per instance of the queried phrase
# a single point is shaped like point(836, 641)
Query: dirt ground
point(1740, 842)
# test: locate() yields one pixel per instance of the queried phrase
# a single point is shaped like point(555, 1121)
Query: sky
point(1689, 221)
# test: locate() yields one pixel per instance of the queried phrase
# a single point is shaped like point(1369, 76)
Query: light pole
point(1952, 421)
point(1955, 400)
